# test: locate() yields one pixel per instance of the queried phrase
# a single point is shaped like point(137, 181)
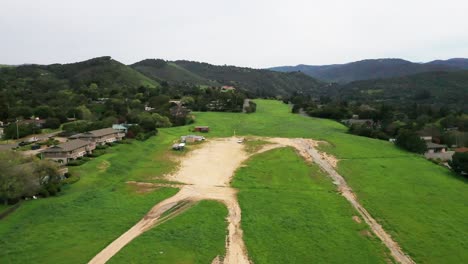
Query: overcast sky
point(253, 33)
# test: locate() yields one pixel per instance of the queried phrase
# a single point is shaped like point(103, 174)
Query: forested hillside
point(256, 83)
point(436, 88)
point(372, 69)
point(102, 92)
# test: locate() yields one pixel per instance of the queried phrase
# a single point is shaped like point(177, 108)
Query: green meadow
point(422, 205)
point(291, 213)
point(195, 236)
point(89, 214)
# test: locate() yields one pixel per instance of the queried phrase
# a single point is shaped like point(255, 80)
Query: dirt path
point(207, 172)
point(307, 148)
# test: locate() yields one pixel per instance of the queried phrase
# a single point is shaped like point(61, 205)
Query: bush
point(459, 163)
point(52, 123)
point(102, 146)
point(97, 153)
point(145, 136)
point(71, 180)
point(410, 141)
point(77, 162)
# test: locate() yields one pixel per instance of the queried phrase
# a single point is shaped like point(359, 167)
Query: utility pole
point(17, 129)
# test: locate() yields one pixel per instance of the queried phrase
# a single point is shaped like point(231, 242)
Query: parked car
point(35, 146)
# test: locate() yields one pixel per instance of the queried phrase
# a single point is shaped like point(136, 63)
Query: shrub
point(71, 180)
point(410, 141)
point(97, 153)
point(459, 163)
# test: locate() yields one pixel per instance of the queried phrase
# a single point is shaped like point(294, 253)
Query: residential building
point(71, 150)
point(227, 88)
point(101, 136)
point(435, 148)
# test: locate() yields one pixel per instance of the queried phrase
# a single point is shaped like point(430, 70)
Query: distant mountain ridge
point(373, 69)
point(256, 82)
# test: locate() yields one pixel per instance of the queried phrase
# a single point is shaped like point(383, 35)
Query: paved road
point(40, 137)
point(4, 147)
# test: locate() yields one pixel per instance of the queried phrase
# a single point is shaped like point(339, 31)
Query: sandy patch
point(204, 174)
point(357, 219)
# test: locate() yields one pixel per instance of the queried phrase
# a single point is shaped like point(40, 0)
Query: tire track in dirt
point(207, 172)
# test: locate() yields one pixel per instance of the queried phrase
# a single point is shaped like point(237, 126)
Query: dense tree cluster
point(25, 177)
point(101, 92)
point(446, 125)
point(459, 163)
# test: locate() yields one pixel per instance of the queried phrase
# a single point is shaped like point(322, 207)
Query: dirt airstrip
point(205, 174)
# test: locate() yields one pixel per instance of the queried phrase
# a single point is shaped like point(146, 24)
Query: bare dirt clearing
point(206, 171)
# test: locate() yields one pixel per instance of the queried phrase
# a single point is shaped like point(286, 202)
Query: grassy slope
point(296, 205)
point(430, 224)
point(421, 204)
point(195, 236)
point(73, 227)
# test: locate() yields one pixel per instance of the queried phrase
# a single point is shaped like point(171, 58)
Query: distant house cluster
point(436, 151)
point(227, 88)
point(82, 144)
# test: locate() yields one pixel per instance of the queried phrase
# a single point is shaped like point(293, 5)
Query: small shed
point(204, 129)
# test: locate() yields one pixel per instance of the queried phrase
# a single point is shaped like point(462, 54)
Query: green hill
point(104, 71)
point(256, 82)
point(59, 88)
point(162, 70)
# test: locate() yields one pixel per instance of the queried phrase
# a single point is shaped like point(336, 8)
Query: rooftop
point(431, 145)
point(97, 133)
point(68, 146)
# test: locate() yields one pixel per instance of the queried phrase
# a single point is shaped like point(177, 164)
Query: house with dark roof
point(101, 136)
point(71, 150)
point(435, 148)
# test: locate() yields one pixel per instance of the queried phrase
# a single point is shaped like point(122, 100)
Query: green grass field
point(91, 213)
point(196, 236)
point(291, 213)
point(421, 204)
